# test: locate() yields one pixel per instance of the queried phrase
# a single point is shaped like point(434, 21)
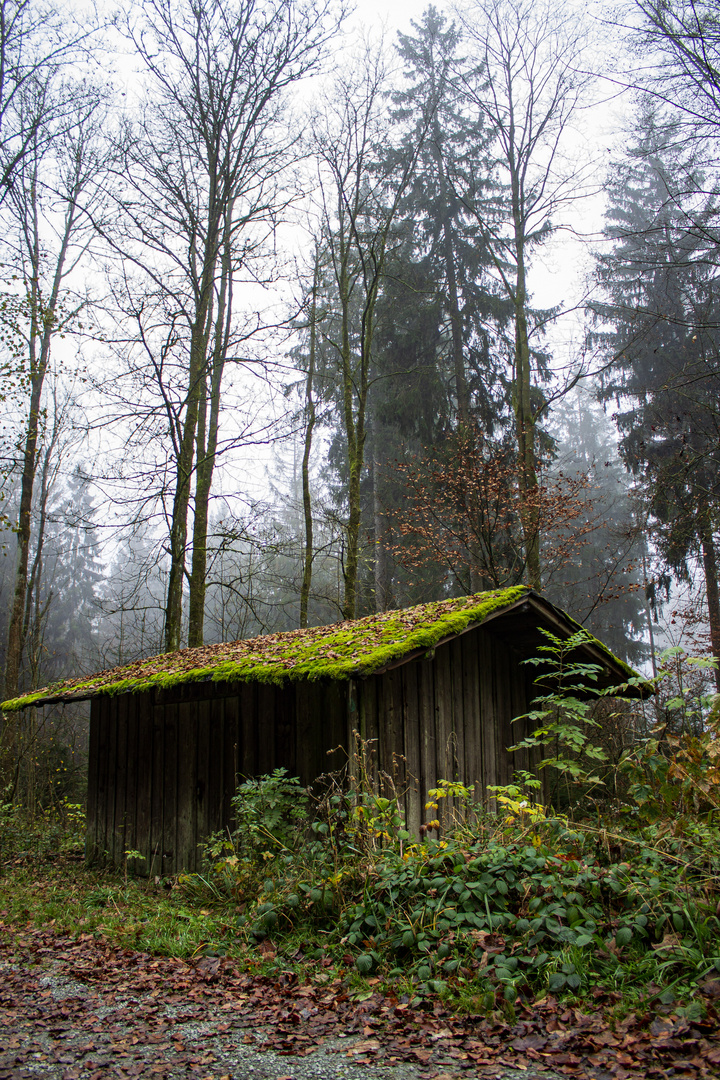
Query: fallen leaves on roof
point(336, 651)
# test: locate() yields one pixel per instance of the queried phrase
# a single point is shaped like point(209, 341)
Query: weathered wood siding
point(447, 717)
point(163, 765)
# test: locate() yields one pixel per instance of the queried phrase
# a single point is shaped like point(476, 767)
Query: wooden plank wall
point(163, 766)
point(447, 717)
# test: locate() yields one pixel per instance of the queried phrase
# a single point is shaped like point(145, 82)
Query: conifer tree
point(660, 326)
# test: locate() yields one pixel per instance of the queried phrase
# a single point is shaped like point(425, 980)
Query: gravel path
point(58, 1028)
point(83, 1009)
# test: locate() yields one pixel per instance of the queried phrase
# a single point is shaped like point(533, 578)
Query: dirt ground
point(79, 1009)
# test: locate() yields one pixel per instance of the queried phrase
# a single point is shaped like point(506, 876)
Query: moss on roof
point(321, 652)
point(338, 651)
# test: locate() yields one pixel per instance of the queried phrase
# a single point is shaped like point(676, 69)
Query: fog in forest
point(300, 322)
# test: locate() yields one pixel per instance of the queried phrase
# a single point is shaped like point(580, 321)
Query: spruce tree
point(659, 328)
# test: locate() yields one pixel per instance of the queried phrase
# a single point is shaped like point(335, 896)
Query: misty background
point(300, 322)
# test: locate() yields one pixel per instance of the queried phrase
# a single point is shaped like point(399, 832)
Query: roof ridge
point(335, 651)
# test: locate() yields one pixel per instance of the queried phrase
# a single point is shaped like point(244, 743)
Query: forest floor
point(77, 1007)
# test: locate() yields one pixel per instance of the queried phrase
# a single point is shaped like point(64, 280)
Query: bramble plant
point(674, 774)
point(518, 800)
point(268, 811)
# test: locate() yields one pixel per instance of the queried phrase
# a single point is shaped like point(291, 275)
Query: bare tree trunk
point(308, 553)
point(354, 419)
point(364, 209)
point(525, 423)
point(712, 592)
point(383, 592)
point(207, 439)
point(41, 331)
point(186, 456)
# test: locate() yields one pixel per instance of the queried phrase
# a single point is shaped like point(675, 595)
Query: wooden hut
point(434, 688)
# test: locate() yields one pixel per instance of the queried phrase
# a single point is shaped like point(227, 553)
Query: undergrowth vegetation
point(619, 896)
point(512, 904)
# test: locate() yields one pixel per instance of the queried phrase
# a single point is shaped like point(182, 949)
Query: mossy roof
point(338, 651)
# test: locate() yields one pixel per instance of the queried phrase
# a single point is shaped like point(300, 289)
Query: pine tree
point(660, 328)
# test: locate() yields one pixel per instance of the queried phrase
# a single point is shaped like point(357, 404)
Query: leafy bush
point(519, 902)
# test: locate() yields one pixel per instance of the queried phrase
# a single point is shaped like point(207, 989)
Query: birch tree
point(203, 193)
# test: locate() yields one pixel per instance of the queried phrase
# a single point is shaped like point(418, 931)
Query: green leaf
point(364, 963)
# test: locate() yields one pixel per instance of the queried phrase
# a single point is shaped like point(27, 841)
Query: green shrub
point(45, 834)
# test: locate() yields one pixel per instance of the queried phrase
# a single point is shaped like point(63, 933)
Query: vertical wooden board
point(185, 793)
point(353, 700)
point(215, 763)
point(473, 718)
point(488, 711)
point(503, 709)
point(456, 692)
point(428, 741)
point(248, 761)
point(106, 806)
point(121, 750)
point(380, 747)
point(524, 699)
point(131, 738)
point(101, 778)
point(169, 847)
point(305, 712)
point(91, 814)
point(519, 759)
point(266, 715)
point(334, 705)
point(445, 746)
point(111, 779)
point(286, 750)
point(395, 764)
point(370, 697)
point(414, 808)
point(144, 780)
point(203, 722)
point(233, 762)
point(376, 715)
point(530, 692)
point(444, 725)
point(157, 802)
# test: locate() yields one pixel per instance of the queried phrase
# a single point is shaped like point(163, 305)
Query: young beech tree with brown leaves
point(465, 512)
